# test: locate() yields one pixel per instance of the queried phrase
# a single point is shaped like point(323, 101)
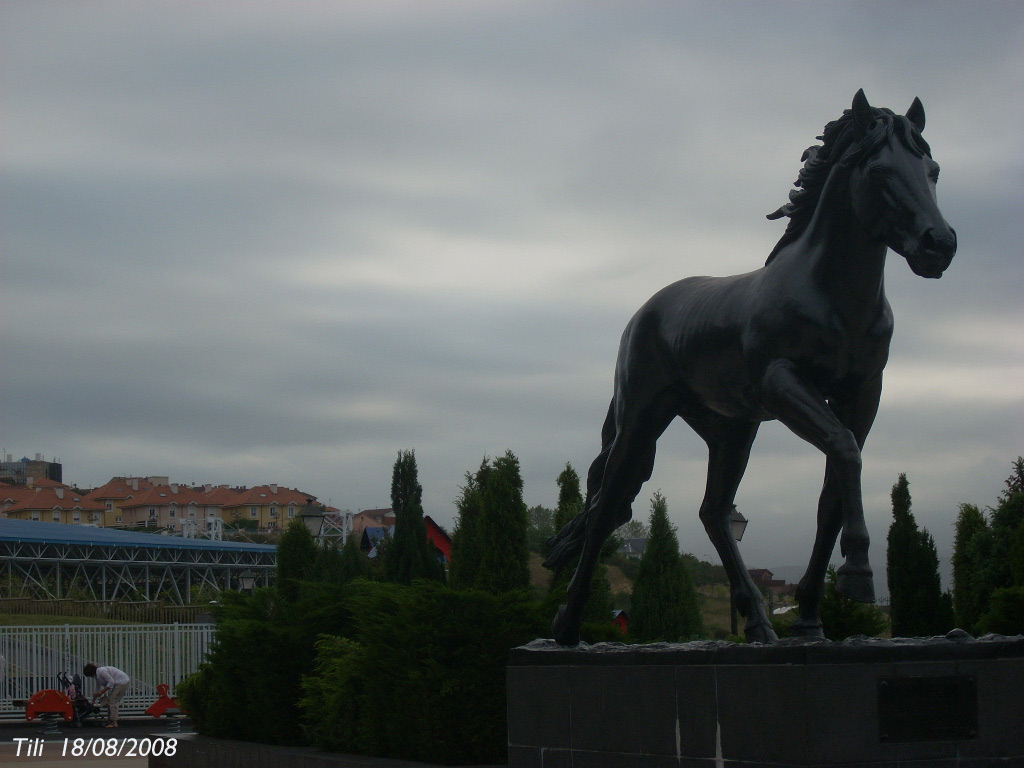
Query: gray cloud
point(265, 244)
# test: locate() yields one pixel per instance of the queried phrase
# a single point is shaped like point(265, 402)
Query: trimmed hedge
point(410, 672)
point(422, 677)
point(249, 687)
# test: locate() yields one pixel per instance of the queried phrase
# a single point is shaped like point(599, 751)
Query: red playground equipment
point(164, 703)
point(49, 702)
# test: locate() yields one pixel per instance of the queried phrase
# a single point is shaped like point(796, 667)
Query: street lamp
point(312, 515)
point(246, 581)
point(738, 524)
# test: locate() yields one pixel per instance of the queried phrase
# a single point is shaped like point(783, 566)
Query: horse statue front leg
point(839, 429)
point(803, 409)
point(811, 589)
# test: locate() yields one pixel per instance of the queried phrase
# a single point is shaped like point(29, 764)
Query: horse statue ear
point(916, 114)
point(862, 116)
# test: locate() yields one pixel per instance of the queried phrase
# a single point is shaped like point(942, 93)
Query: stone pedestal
point(930, 703)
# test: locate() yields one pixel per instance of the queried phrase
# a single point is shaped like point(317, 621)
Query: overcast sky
point(252, 242)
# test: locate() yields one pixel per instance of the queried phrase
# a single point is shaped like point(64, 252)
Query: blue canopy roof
point(374, 533)
point(62, 533)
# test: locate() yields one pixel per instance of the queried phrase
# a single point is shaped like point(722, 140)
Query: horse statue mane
point(840, 147)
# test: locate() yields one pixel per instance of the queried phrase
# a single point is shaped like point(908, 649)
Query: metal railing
point(140, 611)
point(149, 654)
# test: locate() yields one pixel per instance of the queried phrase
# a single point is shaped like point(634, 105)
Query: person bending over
point(113, 682)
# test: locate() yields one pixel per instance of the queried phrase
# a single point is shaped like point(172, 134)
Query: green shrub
point(412, 672)
point(1006, 612)
point(332, 695)
point(841, 617)
point(427, 679)
point(250, 687)
point(194, 694)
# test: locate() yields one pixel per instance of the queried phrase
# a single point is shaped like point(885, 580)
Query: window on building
point(273, 511)
point(35, 516)
point(254, 511)
point(192, 510)
point(118, 519)
point(56, 517)
point(272, 524)
point(291, 511)
point(77, 517)
point(173, 512)
point(152, 513)
point(110, 506)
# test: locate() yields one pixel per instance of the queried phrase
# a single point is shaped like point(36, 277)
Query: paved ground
point(86, 747)
point(24, 744)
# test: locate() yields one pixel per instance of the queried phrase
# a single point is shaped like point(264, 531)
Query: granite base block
point(952, 702)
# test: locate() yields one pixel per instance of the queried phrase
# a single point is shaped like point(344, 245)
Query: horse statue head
point(892, 179)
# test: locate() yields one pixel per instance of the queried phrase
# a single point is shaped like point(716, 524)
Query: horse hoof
point(761, 633)
point(562, 629)
point(806, 628)
point(856, 584)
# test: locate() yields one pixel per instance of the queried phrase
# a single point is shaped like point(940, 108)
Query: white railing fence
point(150, 654)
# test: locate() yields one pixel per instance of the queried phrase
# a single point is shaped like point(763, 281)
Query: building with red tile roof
point(11, 494)
point(372, 518)
point(116, 491)
point(168, 506)
point(153, 502)
point(271, 506)
point(59, 504)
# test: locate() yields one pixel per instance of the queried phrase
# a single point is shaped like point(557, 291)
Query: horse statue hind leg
point(641, 409)
point(647, 399)
point(729, 442)
point(615, 479)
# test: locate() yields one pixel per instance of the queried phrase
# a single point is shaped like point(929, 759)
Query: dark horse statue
point(803, 340)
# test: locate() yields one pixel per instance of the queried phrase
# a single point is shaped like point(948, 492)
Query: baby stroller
point(84, 709)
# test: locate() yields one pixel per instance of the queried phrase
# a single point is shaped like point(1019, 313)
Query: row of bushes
point(411, 672)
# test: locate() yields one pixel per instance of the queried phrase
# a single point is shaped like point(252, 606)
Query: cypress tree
point(665, 602)
point(466, 543)
point(354, 562)
point(917, 605)
point(570, 497)
point(1004, 572)
point(542, 527)
point(504, 554)
point(1007, 517)
point(598, 609)
point(971, 552)
point(410, 555)
point(489, 543)
point(899, 559)
point(328, 565)
point(296, 555)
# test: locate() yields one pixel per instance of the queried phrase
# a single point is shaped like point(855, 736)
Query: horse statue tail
point(567, 544)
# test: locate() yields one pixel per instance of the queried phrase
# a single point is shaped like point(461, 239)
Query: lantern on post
point(738, 524)
point(312, 516)
point(246, 581)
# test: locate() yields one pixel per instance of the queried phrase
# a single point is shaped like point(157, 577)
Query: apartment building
point(50, 502)
point(272, 506)
point(153, 502)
